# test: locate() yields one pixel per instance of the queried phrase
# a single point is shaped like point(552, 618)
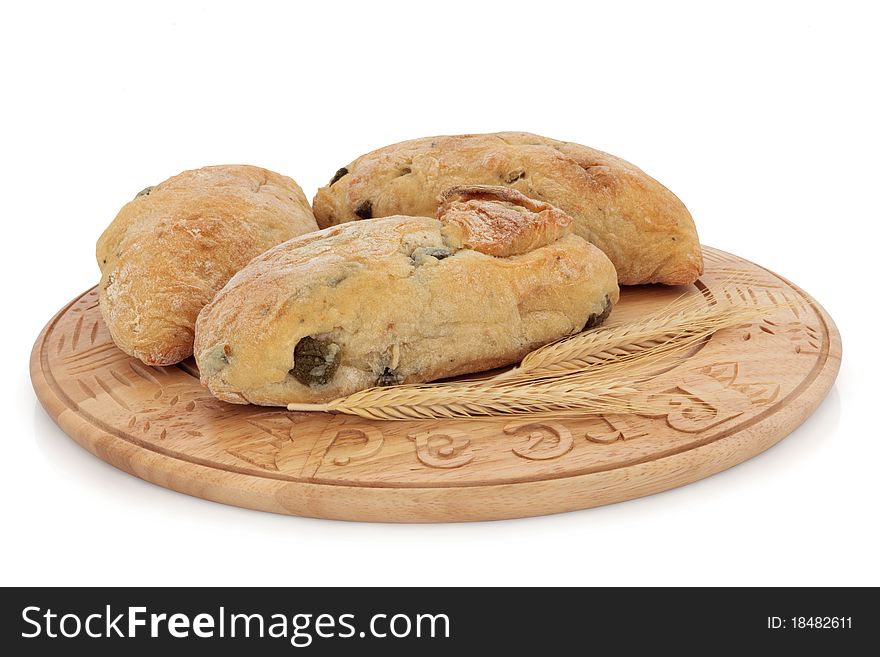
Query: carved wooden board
point(760, 381)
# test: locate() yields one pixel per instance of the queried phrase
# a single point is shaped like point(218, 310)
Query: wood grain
point(760, 381)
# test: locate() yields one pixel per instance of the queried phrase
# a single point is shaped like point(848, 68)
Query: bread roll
point(170, 249)
point(639, 224)
point(402, 300)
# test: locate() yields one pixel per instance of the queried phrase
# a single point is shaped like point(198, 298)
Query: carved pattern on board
point(545, 440)
point(353, 444)
point(803, 338)
point(713, 394)
point(750, 279)
point(758, 393)
point(274, 436)
point(446, 448)
point(616, 427)
point(714, 257)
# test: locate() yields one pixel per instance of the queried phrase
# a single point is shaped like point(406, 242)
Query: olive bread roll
point(644, 229)
point(402, 300)
point(170, 249)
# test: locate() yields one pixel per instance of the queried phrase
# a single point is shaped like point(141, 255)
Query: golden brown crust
point(643, 228)
point(393, 301)
point(170, 249)
point(499, 221)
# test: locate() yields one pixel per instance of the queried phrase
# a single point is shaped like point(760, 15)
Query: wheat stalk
point(665, 333)
point(451, 400)
point(600, 371)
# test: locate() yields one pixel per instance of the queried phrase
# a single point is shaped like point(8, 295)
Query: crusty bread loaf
point(170, 249)
point(402, 300)
point(640, 225)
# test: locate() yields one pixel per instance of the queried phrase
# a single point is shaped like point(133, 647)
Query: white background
point(763, 118)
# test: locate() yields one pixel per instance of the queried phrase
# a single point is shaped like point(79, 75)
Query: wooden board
point(760, 381)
